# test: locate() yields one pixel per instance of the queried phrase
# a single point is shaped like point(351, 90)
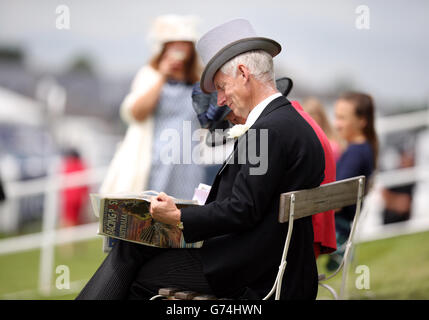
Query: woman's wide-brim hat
point(226, 41)
point(173, 27)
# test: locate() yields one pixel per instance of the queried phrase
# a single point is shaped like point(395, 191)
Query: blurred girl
point(354, 121)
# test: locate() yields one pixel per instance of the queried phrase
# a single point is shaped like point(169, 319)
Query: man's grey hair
point(259, 63)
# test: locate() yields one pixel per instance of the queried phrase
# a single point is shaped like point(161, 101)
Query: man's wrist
point(179, 223)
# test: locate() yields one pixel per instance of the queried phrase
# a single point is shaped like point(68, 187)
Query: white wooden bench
point(295, 205)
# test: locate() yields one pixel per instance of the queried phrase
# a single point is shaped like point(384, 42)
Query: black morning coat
point(243, 240)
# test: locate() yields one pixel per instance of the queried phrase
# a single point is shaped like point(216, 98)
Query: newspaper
point(201, 193)
point(127, 217)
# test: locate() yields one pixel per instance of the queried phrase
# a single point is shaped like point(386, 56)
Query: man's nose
point(220, 99)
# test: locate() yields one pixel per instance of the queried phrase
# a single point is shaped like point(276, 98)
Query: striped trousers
point(134, 271)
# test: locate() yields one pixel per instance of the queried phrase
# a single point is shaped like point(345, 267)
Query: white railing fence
point(369, 229)
point(50, 236)
point(371, 226)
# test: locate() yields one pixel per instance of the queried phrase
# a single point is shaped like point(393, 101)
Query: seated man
point(243, 240)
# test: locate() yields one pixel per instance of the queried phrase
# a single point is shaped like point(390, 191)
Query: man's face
point(233, 93)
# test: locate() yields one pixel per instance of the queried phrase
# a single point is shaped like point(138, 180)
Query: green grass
point(20, 272)
point(399, 269)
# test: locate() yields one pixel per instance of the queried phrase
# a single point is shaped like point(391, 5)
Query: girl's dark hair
point(364, 108)
point(192, 67)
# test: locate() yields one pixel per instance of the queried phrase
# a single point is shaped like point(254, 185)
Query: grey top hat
point(226, 41)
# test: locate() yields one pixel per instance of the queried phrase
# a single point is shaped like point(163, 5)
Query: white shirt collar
point(256, 111)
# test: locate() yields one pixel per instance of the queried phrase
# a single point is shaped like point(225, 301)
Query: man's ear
point(243, 72)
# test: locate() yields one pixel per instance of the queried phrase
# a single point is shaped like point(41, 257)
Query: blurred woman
point(155, 153)
point(354, 121)
point(315, 109)
point(73, 198)
point(324, 240)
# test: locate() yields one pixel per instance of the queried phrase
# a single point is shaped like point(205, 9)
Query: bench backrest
point(326, 197)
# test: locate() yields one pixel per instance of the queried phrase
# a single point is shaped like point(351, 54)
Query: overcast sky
point(321, 43)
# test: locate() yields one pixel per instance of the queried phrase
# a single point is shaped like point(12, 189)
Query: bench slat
point(167, 292)
point(205, 297)
point(326, 197)
point(185, 295)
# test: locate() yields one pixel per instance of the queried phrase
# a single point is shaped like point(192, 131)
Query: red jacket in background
point(324, 222)
point(74, 198)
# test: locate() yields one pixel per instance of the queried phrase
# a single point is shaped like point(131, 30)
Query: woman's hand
point(167, 65)
point(172, 64)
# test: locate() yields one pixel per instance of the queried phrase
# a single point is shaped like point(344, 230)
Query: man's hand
point(163, 209)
